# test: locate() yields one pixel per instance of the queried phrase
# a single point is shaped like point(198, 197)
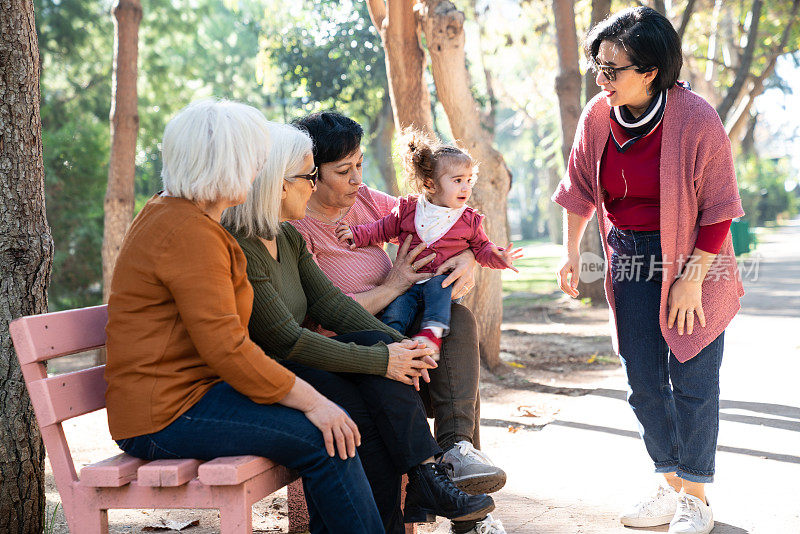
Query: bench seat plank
point(168, 473)
point(112, 472)
point(233, 470)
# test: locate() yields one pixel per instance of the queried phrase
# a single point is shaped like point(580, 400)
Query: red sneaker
point(431, 340)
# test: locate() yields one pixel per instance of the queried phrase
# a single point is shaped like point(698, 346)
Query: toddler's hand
point(508, 255)
point(345, 234)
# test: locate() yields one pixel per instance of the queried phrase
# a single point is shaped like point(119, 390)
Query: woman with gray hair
point(184, 378)
point(368, 369)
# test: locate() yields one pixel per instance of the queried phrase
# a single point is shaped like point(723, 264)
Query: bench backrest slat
point(63, 397)
point(52, 335)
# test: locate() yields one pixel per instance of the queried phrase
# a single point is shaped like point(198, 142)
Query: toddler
point(443, 176)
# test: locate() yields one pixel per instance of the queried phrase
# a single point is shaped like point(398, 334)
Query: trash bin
point(742, 236)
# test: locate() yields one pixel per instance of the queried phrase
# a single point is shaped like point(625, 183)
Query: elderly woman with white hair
point(368, 368)
point(184, 378)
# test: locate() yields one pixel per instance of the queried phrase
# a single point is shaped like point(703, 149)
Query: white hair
point(212, 149)
point(260, 214)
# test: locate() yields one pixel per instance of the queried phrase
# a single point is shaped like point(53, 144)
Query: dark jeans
point(453, 398)
point(431, 297)
point(226, 423)
point(677, 404)
point(395, 435)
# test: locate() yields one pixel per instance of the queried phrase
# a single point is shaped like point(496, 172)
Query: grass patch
point(537, 269)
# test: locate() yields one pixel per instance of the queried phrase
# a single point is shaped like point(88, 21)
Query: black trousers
point(390, 416)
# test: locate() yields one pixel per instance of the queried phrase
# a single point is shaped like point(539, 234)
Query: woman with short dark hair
point(368, 275)
point(653, 159)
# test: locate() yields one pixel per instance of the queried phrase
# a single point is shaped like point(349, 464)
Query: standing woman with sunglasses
point(653, 160)
point(367, 369)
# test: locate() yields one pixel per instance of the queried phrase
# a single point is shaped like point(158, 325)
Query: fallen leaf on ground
point(169, 524)
point(517, 365)
point(513, 429)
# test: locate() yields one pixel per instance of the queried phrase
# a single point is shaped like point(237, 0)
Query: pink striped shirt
point(352, 271)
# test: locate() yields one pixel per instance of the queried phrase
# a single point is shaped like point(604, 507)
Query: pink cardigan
point(697, 186)
point(466, 233)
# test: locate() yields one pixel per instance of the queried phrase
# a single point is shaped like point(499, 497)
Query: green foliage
point(762, 186)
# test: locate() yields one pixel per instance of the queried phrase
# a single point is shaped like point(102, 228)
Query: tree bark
point(124, 120)
point(743, 72)
point(659, 6)
point(26, 253)
point(600, 10)
point(568, 80)
point(443, 26)
point(405, 62)
point(568, 89)
point(381, 146)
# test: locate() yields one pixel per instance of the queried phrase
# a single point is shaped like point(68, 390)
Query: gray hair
point(212, 149)
point(259, 215)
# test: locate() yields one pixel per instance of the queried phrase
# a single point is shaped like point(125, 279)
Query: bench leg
point(236, 518)
point(88, 521)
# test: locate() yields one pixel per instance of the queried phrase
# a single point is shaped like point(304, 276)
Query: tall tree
point(746, 59)
point(26, 251)
point(443, 27)
point(405, 62)
point(568, 89)
point(124, 118)
point(600, 10)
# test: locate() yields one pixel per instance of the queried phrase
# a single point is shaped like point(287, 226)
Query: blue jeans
point(226, 423)
point(435, 302)
point(677, 404)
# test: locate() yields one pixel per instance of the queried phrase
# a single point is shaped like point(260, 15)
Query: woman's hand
point(345, 234)
point(338, 430)
point(462, 273)
point(508, 255)
point(569, 273)
point(404, 271)
point(408, 361)
point(685, 299)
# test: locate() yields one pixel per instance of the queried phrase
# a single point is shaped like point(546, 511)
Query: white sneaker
point(656, 510)
point(473, 471)
point(692, 517)
point(487, 525)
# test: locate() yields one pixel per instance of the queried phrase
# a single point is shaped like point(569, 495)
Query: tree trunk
point(554, 214)
point(743, 72)
point(600, 10)
point(568, 89)
point(443, 26)
point(26, 254)
point(741, 115)
point(405, 62)
point(568, 80)
point(124, 119)
point(381, 146)
point(687, 15)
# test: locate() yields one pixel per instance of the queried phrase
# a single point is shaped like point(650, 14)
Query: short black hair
point(334, 135)
point(647, 37)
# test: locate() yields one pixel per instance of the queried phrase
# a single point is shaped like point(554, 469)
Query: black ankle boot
point(431, 492)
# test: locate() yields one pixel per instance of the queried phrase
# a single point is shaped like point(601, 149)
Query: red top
point(466, 233)
point(630, 182)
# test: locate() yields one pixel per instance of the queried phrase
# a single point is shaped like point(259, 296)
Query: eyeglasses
point(609, 71)
point(311, 177)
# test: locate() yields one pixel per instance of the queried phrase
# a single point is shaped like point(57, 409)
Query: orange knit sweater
point(178, 312)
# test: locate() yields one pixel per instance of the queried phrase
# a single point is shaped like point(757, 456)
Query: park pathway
point(573, 475)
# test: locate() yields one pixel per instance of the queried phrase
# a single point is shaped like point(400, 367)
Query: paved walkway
point(573, 475)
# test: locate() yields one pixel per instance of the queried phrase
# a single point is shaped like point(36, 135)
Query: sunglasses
point(609, 71)
point(311, 177)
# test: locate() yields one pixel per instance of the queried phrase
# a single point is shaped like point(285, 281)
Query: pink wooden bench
point(229, 484)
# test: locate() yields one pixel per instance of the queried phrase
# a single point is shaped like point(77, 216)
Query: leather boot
point(431, 492)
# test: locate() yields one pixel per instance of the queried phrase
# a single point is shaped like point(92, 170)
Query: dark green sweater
point(289, 288)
